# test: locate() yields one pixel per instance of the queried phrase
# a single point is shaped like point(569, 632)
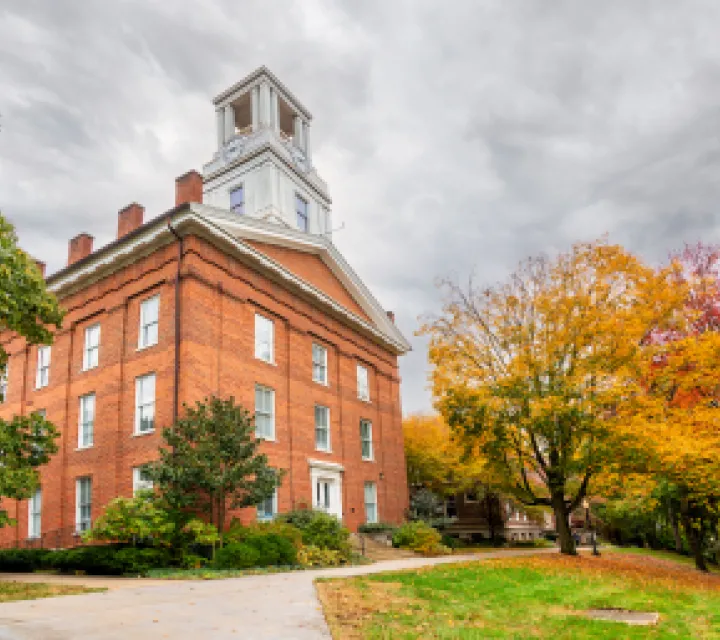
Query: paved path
point(281, 606)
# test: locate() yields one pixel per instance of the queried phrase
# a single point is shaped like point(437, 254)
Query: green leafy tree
point(211, 462)
point(26, 443)
point(26, 306)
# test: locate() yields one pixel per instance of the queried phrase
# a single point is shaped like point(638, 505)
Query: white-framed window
point(264, 338)
point(35, 515)
point(237, 200)
point(86, 422)
point(322, 428)
point(4, 377)
point(91, 352)
point(267, 509)
point(371, 506)
point(319, 364)
point(141, 479)
point(83, 504)
point(145, 403)
point(264, 412)
point(149, 321)
point(301, 211)
point(43, 367)
point(322, 494)
point(366, 441)
point(363, 383)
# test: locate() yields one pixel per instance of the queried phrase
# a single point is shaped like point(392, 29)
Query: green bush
point(311, 556)
point(320, 529)
point(109, 560)
point(377, 527)
point(238, 555)
point(23, 560)
point(239, 533)
point(420, 538)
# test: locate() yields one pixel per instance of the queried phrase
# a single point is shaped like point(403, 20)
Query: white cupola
point(263, 164)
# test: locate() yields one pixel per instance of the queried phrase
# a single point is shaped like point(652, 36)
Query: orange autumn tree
point(672, 407)
point(528, 372)
point(438, 461)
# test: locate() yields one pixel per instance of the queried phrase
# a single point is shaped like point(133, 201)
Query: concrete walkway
point(281, 606)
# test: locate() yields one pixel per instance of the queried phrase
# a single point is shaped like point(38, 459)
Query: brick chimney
point(129, 219)
point(79, 247)
point(188, 188)
point(41, 265)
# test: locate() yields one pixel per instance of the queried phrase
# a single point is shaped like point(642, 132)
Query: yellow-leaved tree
point(528, 372)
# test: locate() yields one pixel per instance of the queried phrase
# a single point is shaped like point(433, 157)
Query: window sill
point(323, 450)
point(321, 383)
point(272, 363)
point(85, 448)
point(368, 459)
point(263, 439)
point(33, 538)
point(139, 434)
point(365, 400)
point(86, 369)
point(146, 346)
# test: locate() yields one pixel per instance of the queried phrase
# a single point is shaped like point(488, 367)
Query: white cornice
point(156, 233)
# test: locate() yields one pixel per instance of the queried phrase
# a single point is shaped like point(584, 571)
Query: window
point(91, 354)
point(149, 315)
point(43, 367)
point(371, 510)
point(264, 338)
point(319, 364)
point(141, 480)
point(267, 509)
point(145, 404)
point(83, 504)
point(34, 515)
point(322, 494)
point(264, 412)
point(301, 209)
point(366, 443)
point(322, 428)
point(86, 427)
point(4, 383)
point(237, 200)
point(363, 383)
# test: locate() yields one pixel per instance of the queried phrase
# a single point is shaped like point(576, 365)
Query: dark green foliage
point(377, 527)
point(26, 442)
point(211, 461)
point(451, 542)
point(23, 560)
point(109, 560)
point(257, 549)
point(319, 529)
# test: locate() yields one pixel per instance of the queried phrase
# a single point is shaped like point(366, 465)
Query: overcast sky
point(456, 135)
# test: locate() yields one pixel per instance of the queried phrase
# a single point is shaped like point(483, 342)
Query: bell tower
point(263, 167)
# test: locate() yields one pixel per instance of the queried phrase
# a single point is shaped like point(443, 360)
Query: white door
point(323, 491)
point(326, 483)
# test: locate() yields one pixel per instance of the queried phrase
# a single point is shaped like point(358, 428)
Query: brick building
point(236, 291)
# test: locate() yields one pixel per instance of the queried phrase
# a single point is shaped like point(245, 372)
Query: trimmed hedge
point(103, 560)
point(257, 550)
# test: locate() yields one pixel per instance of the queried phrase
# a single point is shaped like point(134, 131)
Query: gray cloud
point(454, 136)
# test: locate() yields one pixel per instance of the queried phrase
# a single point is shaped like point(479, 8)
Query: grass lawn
point(10, 591)
point(528, 597)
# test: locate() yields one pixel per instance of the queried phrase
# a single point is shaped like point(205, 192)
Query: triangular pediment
point(311, 268)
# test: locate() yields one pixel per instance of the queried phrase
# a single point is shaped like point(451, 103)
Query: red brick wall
point(219, 297)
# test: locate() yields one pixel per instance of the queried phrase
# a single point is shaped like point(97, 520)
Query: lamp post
point(593, 536)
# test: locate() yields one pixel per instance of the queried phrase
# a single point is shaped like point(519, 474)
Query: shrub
point(257, 550)
point(109, 560)
point(419, 537)
point(312, 556)
point(320, 529)
point(377, 527)
point(238, 555)
point(451, 542)
point(193, 561)
point(23, 560)
point(239, 533)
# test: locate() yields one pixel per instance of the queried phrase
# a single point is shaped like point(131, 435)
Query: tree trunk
point(490, 516)
point(675, 526)
point(562, 525)
point(695, 541)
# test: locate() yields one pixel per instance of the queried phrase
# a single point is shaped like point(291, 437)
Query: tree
point(26, 307)
point(26, 443)
point(211, 461)
point(528, 372)
point(671, 413)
